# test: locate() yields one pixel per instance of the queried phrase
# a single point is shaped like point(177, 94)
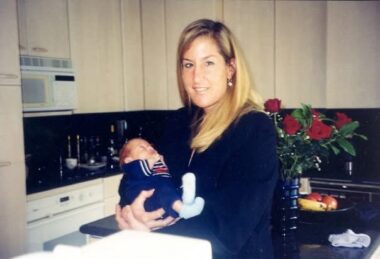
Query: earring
point(229, 83)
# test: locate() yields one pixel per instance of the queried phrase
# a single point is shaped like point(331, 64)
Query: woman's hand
point(135, 217)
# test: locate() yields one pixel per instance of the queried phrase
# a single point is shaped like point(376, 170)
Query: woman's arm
point(135, 217)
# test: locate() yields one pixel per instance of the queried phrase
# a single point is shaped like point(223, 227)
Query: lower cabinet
point(111, 195)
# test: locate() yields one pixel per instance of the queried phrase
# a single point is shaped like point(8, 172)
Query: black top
point(236, 176)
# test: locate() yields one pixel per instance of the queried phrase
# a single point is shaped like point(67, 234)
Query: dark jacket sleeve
point(237, 212)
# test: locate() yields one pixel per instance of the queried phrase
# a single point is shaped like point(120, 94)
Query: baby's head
point(137, 148)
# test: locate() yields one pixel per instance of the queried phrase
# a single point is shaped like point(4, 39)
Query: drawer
point(111, 185)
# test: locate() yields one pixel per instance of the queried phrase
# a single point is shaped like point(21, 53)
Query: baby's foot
point(192, 210)
point(188, 185)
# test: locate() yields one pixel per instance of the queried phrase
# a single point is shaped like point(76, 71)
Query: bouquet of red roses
point(305, 135)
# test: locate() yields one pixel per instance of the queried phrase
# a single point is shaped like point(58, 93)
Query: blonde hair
point(239, 99)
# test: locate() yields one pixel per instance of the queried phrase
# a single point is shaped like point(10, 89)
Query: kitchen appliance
point(54, 217)
point(47, 84)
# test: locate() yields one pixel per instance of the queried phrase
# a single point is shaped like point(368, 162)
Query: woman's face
point(205, 73)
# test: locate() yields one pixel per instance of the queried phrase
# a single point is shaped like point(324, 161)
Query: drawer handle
point(8, 76)
point(39, 49)
point(5, 163)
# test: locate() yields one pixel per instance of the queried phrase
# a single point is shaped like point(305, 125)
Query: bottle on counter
point(69, 146)
point(83, 150)
point(78, 149)
point(112, 152)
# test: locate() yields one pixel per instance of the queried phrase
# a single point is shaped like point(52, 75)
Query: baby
point(144, 169)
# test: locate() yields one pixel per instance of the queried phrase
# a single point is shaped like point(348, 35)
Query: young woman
point(224, 138)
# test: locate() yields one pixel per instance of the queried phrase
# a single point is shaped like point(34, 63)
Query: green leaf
point(361, 136)
point(349, 128)
point(346, 146)
point(303, 115)
point(334, 149)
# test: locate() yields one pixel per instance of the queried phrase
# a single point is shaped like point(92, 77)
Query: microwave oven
point(46, 86)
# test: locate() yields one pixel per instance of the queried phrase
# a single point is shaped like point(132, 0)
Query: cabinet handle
point(39, 49)
point(5, 163)
point(8, 76)
point(21, 47)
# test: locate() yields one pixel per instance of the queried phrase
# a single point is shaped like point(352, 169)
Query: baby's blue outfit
point(138, 176)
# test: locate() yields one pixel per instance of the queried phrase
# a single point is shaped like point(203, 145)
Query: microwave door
point(35, 94)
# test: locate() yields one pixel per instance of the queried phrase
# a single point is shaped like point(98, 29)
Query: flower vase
point(285, 207)
point(285, 218)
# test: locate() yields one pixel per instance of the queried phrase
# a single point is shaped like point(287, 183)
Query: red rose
point(272, 105)
point(315, 113)
point(319, 130)
point(342, 119)
point(291, 125)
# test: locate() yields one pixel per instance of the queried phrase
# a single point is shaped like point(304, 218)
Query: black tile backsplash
point(46, 139)
point(366, 163)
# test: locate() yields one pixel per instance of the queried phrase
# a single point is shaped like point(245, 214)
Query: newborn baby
point(144, 169)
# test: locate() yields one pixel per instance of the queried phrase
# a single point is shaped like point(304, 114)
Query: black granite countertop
point(47, 181)
point(311, 240)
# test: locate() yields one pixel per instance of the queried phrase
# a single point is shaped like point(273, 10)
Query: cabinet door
point(353, 58)
point(44, 28)
point(12, 174)
point(132, 55)
point(96, 43)
point(162, 23)
point(111, 195)
point(252, 22)
point(9, 60)
point(300, 52)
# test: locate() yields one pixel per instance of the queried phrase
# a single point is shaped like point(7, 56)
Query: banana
point(306, 204)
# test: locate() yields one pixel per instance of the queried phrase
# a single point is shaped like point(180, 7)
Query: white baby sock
point(350, 239)
point(188, 188)
point(192, 210)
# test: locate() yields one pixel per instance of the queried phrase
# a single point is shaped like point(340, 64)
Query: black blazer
point(236, 176)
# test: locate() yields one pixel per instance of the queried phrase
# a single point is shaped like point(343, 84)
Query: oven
point(54, 217)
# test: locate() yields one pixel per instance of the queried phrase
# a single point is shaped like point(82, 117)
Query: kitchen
point(317, 52)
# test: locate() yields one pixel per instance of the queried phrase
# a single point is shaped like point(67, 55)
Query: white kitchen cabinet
point(300, 53)
point(12, 166)
point(353, 54)
point(132, 55)
point(43, 28)
point(96, 43)
point(252, 22)
point(9, 61)
point(12, 173)
point(111, 195)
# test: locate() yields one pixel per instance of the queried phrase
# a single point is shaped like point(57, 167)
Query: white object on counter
point(350, 239)
point(128, 244)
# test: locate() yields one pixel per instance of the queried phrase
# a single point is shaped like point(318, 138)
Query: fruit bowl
point(342, 214)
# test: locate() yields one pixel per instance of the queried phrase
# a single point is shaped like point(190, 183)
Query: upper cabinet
point(300, 53)
point(43, 28)
point(96, 44)
point(132, 55)
point(284, 44)
point(323, 53)
point(9, 61)
point(353, 54)
point(252, 22)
